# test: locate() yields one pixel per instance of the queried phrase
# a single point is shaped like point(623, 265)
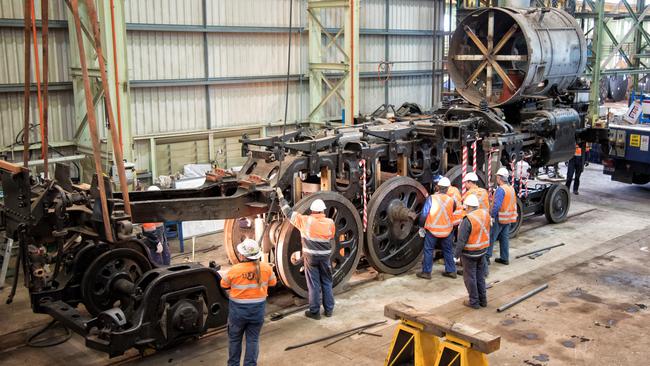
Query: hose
point(48, 342)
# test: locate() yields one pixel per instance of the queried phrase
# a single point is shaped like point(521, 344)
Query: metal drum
point(502, 55)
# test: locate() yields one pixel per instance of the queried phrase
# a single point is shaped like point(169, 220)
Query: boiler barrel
point(504, 54)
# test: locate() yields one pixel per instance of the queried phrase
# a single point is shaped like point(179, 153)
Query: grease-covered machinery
point(521, 101)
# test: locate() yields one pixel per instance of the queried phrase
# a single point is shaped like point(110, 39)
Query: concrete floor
point(593, 312)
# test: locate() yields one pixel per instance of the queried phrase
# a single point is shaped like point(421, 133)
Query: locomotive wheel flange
point(106, 279)
point(392, 241)
point(345, 254)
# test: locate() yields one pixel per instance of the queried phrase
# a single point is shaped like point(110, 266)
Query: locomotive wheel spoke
point(345, 254)
point(476, 41)
point(392, 242)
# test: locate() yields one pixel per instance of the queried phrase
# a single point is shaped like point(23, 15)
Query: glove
point(456, 260)
point(421, 232)
point(279, 192)
point(159, 248)
point(492, 221)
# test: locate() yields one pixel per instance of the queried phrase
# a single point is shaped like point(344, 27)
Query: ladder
point(6, 246)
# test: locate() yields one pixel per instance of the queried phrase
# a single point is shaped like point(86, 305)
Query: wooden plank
point(12, 168)
point(481, 341)
point(325, 179)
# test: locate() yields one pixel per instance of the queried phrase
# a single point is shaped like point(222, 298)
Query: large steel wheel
point(516, 226)
point(557, 203)
point(345, 255)
point(100, 286)
point(234, 232)
point(392, 241)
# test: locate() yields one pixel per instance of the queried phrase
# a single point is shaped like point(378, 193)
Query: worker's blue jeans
point(446, 244)
point(165, 256)
point(244, 319)
point(500, 232)
point(318, 270)
point(474, 278)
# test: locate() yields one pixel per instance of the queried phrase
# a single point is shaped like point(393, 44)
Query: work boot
point(449, 274)
point(576, 193)
point(459, 272)
point(466, 303)
point(502, 261)
point(328, 314)
point(426, 276)
point(315, 316)
point(483, 304)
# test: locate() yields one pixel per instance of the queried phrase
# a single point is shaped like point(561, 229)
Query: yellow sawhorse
point(425, 340)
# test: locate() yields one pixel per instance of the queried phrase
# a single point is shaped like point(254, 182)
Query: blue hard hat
point(437, 178)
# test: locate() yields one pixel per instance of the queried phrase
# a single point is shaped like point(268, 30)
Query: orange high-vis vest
point(438, 221)
point(578, 151)
point(508, 210)
point(242, 282)
point(481, 194)
point(479, 237)
point(458, 214)
point(316, 230)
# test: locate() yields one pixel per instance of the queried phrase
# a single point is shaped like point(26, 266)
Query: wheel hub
point(400, 222)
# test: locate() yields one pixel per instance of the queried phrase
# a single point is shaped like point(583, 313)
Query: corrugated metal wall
point(222, 68)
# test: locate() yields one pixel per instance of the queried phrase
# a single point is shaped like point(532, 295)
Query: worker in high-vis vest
point(317, 232)
point(471, 182)
point(471, 247)
point(574, 168)
point(248, 282)
point(436, 227)
point(454, 193)
point(503, 214)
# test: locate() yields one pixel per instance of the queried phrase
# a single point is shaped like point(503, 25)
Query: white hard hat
point(317, 206)
point(444, 182)
point(249, 249)
point(471, 176)
point(153, 188)
point(471, 200)
point(503, 172)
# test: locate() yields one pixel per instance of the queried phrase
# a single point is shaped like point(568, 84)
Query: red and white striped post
point(464, 187)
point(489, 172)
point(474, 160)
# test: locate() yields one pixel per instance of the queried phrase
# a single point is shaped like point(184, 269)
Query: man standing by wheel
point(471, 181)
point(436, 219)
point(317, 232)
point(454, 193)
point(503, 213)
point(472, 244)
point(575, 167)
point(248, 282)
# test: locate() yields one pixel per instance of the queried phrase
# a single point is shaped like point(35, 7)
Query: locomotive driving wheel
point(110, 277)
point(392, 241)
point(345, 254)
point(235, 231)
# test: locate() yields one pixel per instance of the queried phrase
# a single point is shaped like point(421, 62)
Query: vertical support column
point(112, 22)
point(152, 159)
point(206, 63)
point(638, 36)
point(347, 67)
point(352, 49)
point(438, 52)
point(592, 115)
point(386, 47)
point(315, 56)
